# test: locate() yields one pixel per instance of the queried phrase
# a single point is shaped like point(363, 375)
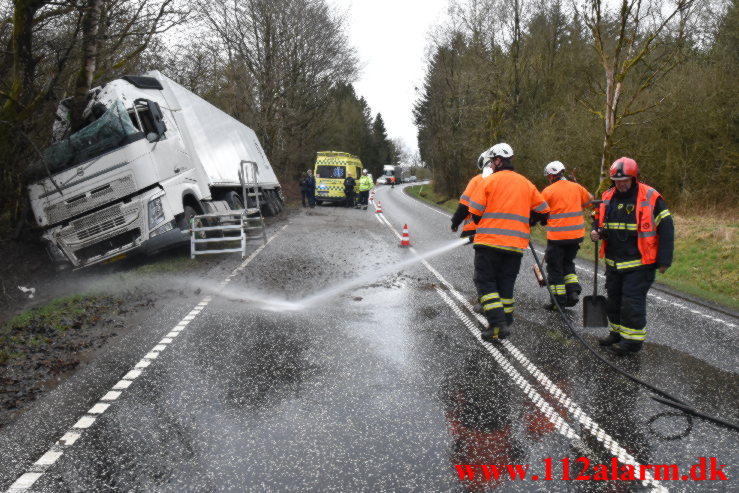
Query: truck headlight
point(156, 212)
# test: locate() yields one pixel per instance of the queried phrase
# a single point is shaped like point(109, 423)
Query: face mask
point(486, 171)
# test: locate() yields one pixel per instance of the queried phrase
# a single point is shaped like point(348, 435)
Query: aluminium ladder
point(247, 223)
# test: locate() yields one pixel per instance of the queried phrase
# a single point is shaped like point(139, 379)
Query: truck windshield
point(112, 130)
point(325, 171)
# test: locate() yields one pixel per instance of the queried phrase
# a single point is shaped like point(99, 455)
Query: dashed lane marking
point(601, 276)
point(608, 443)
point(555, 418)
point(37, 470)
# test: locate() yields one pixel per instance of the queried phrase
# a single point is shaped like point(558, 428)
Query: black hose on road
point(667, 399)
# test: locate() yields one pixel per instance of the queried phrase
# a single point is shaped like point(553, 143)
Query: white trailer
point(152, 155)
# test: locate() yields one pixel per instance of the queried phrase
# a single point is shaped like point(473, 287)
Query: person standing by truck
point(365, 184)
point(309, 186)
point(349, 184)
point(303, 190)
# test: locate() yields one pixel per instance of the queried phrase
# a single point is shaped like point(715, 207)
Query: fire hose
point(666, 398)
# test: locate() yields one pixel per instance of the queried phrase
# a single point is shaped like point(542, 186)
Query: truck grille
point(103, 248)
point(72, 206)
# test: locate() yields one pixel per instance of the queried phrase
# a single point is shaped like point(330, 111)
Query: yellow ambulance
point(332, 167)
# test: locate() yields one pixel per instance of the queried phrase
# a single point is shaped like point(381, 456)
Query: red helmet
point(623, 168)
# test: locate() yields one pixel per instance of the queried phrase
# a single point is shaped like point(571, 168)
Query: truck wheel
point(272, 201)
point(234, 201)
point(278, 201)
point(187, 215)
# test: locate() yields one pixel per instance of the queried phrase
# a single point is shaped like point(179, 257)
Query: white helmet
point(483, 161)
point(500, 150)
point(554, 168)
point(364, 171)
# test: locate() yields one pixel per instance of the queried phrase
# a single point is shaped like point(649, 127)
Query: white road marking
point(601, 276)
point(84, 422)
point(588, 423)
point(49, 458)
point(69, 438)
point(98, 408)
point(27, 479)
point(111, 396)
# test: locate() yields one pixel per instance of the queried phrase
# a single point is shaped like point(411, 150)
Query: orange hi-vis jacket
point(566, 200)
point(469, 225)
point(647, 239)
point(504, 201)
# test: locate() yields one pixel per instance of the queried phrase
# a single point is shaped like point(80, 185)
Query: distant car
point(412, 179)
point(381, 180)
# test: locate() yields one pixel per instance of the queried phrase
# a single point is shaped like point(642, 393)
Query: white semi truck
point(150, 157)
point(390, 170)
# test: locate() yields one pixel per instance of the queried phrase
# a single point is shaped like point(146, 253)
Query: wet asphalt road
point(380, 388)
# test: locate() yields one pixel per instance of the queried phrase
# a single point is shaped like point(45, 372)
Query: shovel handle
point(595, 279)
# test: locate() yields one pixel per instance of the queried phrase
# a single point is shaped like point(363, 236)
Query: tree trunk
point(90, 24)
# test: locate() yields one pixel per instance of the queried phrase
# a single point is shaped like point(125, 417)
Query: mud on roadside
point(72, 315)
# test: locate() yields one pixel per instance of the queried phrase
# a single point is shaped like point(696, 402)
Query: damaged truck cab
point(151, 156)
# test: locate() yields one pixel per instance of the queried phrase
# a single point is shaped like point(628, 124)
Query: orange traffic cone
point(379, 208)
point(406, 239)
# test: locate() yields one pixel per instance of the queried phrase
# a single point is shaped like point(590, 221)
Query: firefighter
point(504, 206)
point(365, 184)
point(638, 236)
point(462, 213)
point(565, 232)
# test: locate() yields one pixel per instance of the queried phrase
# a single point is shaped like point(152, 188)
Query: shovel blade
point(594, 312)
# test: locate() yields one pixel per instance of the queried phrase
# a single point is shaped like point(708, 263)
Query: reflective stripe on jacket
point(566, 200)
point(505, 201)
point(469, 224)
point(365, 183)
point(646, 227)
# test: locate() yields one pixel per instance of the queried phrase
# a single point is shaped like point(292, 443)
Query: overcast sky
point(390, 37)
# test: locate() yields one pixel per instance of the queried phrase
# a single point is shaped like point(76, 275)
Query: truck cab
point(151, 153)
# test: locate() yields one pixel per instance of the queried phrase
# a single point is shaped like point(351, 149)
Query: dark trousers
point(363, 197)
point(311, 197)
point(627, 302)
point(349, 198)
point(304, 194)
point(495, 276)
point(560, 259)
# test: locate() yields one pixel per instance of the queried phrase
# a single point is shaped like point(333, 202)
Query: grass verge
point(706, 262)
point(39, 326)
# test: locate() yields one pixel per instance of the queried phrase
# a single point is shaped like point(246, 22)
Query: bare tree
point(626, 40)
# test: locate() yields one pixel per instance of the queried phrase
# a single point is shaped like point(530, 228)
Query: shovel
point(594, 312)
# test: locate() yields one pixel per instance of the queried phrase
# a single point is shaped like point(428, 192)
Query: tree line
point(585, 83)
point(283, 67)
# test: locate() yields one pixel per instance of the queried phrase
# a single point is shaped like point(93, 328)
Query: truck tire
point(187, 214)
point(234, 201)
point(269, 201)
point(278, 202)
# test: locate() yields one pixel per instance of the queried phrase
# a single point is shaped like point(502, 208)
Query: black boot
point(500, 331)
point(625, 348)
point(572, 298)
point(613, 338)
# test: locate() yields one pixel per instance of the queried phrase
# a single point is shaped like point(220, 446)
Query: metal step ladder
point(230, 226)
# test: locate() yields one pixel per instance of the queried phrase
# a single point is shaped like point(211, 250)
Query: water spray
point(277, 303)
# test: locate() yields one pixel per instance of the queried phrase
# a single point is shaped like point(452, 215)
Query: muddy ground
point(48, 335)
